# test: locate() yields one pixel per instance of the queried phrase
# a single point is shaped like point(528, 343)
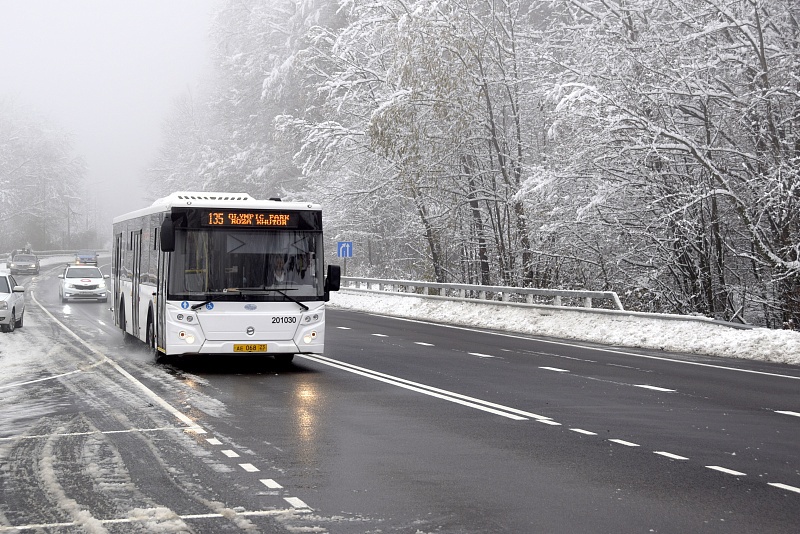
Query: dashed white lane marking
point(670, 455)
point(654, 388)
point(250, 468)
point(725, 470)
point(343, 328)
point(582, 431)
point(576, 345)
point(296, 503)
point(230, 454)
point(271, 484)
point(787, 413)
point(549, 422)
point(623, 442)
point(379, 335)
point(214, 441)
point(423, 344)
point(784, 486)
point(479, 355)
point(556, 369)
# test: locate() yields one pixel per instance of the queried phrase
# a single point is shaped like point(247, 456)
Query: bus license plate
point(258, 347)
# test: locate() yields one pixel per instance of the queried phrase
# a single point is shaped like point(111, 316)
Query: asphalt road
point(402, 426)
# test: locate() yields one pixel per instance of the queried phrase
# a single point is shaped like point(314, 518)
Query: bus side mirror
point(167, 235)
point(334, 279)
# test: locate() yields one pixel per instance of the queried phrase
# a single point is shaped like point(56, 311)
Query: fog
point(107, 73)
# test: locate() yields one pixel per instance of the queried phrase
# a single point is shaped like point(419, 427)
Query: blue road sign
point(344, 249)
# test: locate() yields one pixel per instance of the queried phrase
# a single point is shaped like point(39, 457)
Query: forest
point(647, 147)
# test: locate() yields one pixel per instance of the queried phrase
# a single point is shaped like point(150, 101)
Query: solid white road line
point(727, 471)
point(103, 358)
point(146, 518)
point(54, 377)
point(670, 455)
point(126, 431)
point(478, 404)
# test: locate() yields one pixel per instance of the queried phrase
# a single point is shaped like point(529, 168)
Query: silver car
point(12, 303)
point(24, 263)
point(82, 282)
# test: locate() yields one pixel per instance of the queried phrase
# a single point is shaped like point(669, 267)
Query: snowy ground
point(619, 330)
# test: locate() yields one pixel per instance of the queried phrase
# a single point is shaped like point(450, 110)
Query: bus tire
point(151, 339)
point(126, 337)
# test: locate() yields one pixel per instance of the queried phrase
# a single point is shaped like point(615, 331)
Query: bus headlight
point(308, 338)
point(187, 337)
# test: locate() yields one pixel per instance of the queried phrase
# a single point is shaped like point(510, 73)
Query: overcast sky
point(107, 72)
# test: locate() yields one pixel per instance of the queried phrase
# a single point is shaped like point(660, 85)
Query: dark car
point(24, 264)
point(86, 257)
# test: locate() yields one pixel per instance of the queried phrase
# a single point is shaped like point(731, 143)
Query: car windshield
point(85, 253)
point(4, 285)
point(84, 272)
point(24, 257)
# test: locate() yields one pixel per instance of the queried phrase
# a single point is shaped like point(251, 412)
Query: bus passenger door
point(136, 282)
point(117, 271)
point(161, 299)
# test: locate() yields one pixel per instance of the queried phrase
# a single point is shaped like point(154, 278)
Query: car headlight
point(3, 305)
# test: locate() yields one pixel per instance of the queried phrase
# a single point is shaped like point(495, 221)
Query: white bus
point(222, 273)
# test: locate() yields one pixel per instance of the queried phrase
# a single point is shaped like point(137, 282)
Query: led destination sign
point(249, 218)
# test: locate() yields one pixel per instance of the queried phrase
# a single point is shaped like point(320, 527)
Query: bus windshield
point(251, 264)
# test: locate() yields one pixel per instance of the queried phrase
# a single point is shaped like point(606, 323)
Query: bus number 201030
point(284, 320)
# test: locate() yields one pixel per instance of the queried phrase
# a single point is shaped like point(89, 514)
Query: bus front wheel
point(126, 338)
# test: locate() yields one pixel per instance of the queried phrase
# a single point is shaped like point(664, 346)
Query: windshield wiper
point(201, 304)
point(281, 291)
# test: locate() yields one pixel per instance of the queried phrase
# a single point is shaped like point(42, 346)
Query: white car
point(82, 282)
point(12, 303)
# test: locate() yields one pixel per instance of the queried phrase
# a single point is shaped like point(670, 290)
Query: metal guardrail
point(518, 296)
point(49, 253)
point(557, 297)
